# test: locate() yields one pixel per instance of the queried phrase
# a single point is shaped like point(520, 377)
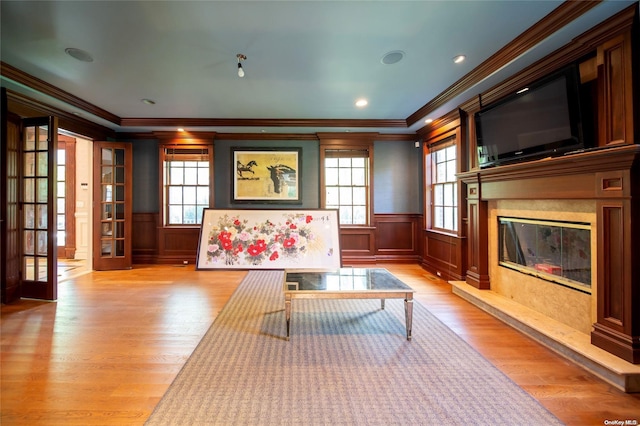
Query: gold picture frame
point(266, 175)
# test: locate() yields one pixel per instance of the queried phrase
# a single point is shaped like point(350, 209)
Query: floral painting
point(266, 175)
point(269, 239)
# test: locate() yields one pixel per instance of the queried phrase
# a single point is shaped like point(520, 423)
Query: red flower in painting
point(257, 248)
point(225, 240)
point(289, 238)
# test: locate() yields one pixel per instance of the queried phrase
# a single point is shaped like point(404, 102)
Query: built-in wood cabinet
point(609, 177)
point(615, 91)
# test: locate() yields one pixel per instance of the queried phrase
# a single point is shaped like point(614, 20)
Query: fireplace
point(599, 188)
point(534, 277)
point(555, 251)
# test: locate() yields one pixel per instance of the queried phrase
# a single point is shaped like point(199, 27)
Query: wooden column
point(477, 236)
point(617, 329)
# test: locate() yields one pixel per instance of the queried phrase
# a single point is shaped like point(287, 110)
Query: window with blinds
point(186, 184)
point(346, 181)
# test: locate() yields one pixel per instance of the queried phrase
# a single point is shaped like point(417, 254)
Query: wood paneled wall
point(393, 238)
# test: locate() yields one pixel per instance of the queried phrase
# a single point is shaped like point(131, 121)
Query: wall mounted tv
point(541, 120)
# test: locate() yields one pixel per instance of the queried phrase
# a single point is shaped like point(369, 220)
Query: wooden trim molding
point(560, 17)
point(41, 86)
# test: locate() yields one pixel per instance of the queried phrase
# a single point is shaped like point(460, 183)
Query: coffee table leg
point(287, 310)
point(408, 312)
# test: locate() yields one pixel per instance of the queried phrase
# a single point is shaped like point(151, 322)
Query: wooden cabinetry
point(615, 91)
point(611, 178)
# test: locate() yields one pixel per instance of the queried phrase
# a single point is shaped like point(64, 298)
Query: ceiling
point(307, 61)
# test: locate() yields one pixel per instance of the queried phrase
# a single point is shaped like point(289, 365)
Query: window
point(346, 184)
point(444, 186)
point(186, 189)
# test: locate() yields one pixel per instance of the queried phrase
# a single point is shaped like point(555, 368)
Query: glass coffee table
point(347, 283)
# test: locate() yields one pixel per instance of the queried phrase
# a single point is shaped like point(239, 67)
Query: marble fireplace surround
point(568, 306)
point(591, 187)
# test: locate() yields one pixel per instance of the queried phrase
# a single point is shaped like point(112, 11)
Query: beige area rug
point(348, 363)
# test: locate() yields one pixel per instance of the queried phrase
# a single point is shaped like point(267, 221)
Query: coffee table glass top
point(344, 279)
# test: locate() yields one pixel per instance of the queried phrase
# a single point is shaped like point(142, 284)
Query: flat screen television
point(541, 120)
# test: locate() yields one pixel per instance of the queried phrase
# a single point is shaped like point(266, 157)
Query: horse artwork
point(281, 175)
point(270, 175)
point(245, 168)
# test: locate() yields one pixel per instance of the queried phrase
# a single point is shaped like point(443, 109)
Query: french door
point(37, 211)
point(112, 205)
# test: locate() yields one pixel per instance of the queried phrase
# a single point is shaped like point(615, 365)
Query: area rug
point(347, 363)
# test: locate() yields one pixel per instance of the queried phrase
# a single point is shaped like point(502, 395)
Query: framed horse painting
point(266, 175)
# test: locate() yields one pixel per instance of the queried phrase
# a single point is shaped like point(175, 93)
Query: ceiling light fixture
point(240, 57)
point(459, 58)
point(361, 103)
point(428, 120)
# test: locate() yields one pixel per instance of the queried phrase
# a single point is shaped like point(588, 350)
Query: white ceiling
point(305, 59)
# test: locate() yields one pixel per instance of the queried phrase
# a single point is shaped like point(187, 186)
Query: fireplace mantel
point(611, 178)
point(569, 177)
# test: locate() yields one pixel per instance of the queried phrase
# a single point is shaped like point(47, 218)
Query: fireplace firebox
point(559, 252)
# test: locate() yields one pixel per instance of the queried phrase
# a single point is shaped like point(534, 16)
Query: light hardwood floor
point(108, 349)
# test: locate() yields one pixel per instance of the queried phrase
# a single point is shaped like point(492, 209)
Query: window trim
point(346, 144)
point(181, 144)
point(441, 141)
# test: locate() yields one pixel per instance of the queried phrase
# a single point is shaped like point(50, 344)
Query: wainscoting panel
point(177, 245)
point(443, 255)
point(145, 237)
point(398, 237)
point(358, 245)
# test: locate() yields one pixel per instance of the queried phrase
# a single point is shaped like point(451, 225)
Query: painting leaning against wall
point(269, 239)
point(266, 175)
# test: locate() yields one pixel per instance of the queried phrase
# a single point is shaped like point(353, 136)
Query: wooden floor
point(108, 349)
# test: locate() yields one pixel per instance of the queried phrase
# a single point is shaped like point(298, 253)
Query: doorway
point(73, 202)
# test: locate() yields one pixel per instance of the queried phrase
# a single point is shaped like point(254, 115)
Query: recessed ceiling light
point(361, 103)
point(392, 57)
point(180, 129)
point(148, 101)
point(428, 120)
point(78, 54)
point(522, 90)
point(459, 58)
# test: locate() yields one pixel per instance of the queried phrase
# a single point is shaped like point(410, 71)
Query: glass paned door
point(112, 206)
point(38, 227)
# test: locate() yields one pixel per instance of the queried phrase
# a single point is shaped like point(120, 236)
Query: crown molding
point(557, 19)
point(18, 76)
